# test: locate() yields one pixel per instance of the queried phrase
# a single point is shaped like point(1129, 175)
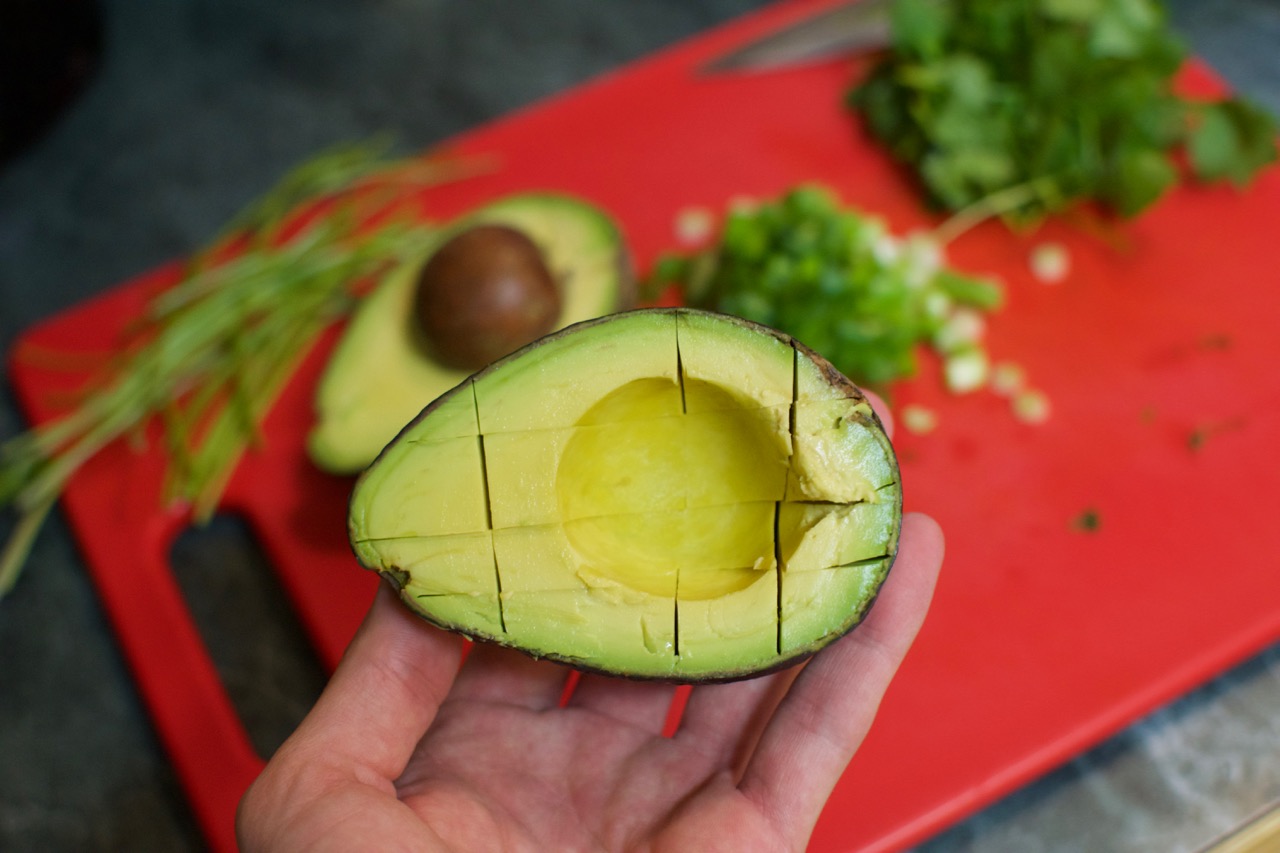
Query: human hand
point(407, 750)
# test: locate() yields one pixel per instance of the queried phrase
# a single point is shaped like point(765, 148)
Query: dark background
point(149, 122)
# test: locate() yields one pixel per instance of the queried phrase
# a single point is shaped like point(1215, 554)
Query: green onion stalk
point(212, 352)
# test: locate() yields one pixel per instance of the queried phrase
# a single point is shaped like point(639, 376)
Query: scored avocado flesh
point(662, 494)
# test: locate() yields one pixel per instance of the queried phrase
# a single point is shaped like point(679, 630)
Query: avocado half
point(661, 493)
point(380, 375)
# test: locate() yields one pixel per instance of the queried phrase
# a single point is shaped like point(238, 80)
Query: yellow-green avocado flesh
point(380, 376)
point(661, 493)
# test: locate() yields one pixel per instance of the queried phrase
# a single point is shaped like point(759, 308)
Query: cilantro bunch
point(1071, 99)
point(837, 280)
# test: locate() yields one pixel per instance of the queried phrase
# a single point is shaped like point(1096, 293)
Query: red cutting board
point(1159, 355)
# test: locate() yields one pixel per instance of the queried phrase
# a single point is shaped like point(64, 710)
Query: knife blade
point(846, 28)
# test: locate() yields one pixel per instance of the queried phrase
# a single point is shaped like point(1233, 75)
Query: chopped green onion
point(837, 280)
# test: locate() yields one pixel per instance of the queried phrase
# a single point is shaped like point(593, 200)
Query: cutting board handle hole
point(260, 650)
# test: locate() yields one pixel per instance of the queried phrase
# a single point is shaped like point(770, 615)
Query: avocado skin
point(830, 376)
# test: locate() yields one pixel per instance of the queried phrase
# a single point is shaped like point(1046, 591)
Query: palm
point(595, 774)
point(407, 748)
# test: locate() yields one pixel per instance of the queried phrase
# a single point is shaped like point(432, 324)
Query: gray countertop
point(197, 106)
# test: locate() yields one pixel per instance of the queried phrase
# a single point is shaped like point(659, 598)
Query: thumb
point(386, 691)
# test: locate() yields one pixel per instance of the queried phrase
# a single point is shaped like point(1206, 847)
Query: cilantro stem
point(998, 203)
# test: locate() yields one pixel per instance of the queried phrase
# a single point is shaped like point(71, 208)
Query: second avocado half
point(381, 373)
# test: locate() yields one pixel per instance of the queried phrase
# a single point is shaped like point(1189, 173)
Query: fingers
point(882, 411)
point(493, 674)
point(385, 692)
point(824, 717)
point(641, 704)
point(723, 722)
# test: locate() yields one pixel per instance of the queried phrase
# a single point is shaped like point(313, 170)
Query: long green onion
point(211, 353)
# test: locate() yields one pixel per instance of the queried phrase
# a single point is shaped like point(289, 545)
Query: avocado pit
point(485, 292)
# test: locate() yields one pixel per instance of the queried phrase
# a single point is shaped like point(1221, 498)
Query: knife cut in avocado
point(384, 368)
point(663, 493)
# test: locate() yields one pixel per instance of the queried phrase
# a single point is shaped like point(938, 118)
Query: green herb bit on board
point(1088, 521)
point(1073, 98)
point(837, 280)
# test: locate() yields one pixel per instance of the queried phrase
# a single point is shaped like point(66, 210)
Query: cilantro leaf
point(1231, 141)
